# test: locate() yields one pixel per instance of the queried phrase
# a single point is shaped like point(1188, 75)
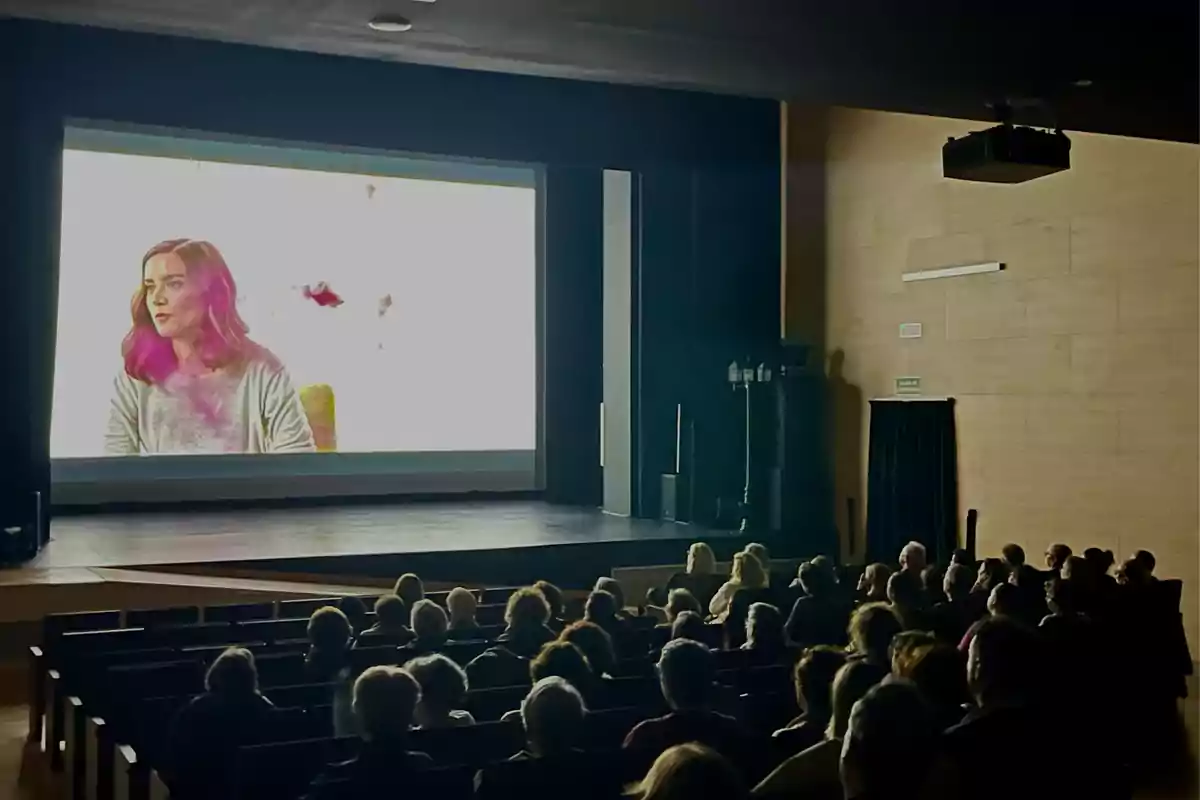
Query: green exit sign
point(909, 385)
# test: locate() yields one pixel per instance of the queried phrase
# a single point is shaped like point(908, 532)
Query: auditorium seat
point(155, 617)
point(470, 745)
point(239, 613)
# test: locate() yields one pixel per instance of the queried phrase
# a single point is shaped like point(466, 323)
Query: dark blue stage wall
point(708, 249)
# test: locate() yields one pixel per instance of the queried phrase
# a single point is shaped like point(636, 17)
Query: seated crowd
point(955, 681)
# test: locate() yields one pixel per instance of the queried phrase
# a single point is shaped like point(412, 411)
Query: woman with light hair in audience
point(462, 605)
point(443, 691)
point(873, 583)
point(410, 589)
point(747, 573)
point(690, 772)
point(429, 625)
point(764, 633)
point(700, 576)
point(760, 552)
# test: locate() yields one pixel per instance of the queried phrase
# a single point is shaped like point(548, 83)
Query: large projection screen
point(245, 320)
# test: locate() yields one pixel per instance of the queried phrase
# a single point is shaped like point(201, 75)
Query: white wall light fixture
point(952, 272)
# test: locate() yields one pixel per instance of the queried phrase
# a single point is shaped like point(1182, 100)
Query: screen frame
point(152, 480)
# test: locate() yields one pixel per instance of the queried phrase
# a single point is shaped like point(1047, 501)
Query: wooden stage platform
point(152, 558)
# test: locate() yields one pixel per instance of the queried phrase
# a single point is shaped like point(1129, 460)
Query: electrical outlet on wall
point(910, 330)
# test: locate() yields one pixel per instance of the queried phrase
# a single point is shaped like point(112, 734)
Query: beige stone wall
point(1075, 371)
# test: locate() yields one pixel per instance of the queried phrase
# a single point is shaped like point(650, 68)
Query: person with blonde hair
point(760, 552)
point(700, 575)
point(873, 583)
point(690, 772)
point(461, 604)
point(747, 573)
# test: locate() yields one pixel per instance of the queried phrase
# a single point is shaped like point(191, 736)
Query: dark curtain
point(912, 479)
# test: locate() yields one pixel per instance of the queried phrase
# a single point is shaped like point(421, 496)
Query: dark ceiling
point(948, 57)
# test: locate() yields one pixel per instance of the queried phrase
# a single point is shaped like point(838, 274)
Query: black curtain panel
point(912, 479)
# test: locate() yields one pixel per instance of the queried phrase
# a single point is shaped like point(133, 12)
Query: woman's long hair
point(223, 341)
point(748, 571)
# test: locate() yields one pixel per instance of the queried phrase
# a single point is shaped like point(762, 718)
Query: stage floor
point(196, 537)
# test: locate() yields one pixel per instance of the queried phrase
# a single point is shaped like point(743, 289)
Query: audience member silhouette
point(872, 584)
point(939, 671)
point(907, 599)
point(385, 702)
point(328, 661)
point(525, 617)
point(951, 617)
point(890, 745)
point(391, 623)
point(687, 672)
point(820, 616)
point(205, 734)
point(595, 643)
point(992, 573)
point(410, 589)
point(1004, 669)
point(872, 629)
point(551, 765)
point(913, 560)
point(690, 772)
point(507, 663)
point(760, 552)
point(1056, 556)
point(689, 625)
point(764, 633)
point(700, 574)
point(356, 612)
point(554, 600)
point(813, 677)
point(813, 774)
point(564, 660)
point(443, 692)
point(1147, 560)
point(462, 605)
point(747, 573)
point(602, 609)
point(429, 627)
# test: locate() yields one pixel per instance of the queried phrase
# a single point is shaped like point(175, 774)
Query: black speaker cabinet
point(22, 527)
point(675, 501)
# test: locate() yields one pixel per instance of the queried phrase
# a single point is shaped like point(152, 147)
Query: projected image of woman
point(194, 382)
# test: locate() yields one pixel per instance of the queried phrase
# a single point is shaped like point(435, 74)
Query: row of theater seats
point(81, 651)
point(104, 698)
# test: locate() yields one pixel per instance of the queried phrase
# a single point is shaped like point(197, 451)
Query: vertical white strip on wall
point(618, 343)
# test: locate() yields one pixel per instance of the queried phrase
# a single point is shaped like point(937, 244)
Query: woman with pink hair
point(194, 382)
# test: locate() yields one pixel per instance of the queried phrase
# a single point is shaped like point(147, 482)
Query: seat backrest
point(273, 630)
point(491, 614)
point(283, 770)
point(241, 612)
point(154, 617)
point(470, 745)
point(303, 607)
point(641, 692)
point(488, 705)
point(55, 624)
point(606, 729)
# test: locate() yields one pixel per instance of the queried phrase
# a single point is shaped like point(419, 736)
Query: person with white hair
point(913, 559)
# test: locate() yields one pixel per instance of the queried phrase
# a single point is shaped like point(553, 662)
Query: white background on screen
point(450, 366)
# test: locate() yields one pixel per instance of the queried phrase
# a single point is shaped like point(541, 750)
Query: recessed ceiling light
point(390, 23)
point(1083, 83)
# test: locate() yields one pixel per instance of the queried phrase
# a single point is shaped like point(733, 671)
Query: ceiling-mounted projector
point(1006, 154)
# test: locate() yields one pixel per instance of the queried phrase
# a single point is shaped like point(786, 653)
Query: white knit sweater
point(254, 409)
